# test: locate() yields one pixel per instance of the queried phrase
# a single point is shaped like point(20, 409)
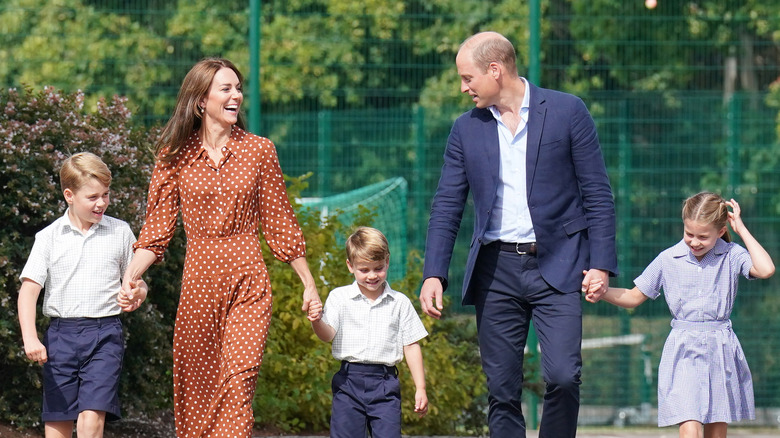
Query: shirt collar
point(67, 225)
point(721, 247)
point(356, 294)
point(681, 249)
point(525, 106)
point(233, 144)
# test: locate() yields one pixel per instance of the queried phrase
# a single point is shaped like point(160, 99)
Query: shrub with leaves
point(294, 392)
point(38, 130)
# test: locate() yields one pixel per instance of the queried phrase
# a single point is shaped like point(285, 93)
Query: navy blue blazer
point(569, 195)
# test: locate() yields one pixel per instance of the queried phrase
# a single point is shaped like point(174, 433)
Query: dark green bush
point(38, 131)
point(294, 387)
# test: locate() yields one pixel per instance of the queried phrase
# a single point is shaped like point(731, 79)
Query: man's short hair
point(79, 168)
point(487, 47)
point(368, 244)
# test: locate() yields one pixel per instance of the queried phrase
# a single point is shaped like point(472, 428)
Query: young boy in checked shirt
point(372, 328)
point(79, 260)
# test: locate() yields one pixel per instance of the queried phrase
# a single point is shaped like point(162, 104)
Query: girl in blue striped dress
point(704, 381)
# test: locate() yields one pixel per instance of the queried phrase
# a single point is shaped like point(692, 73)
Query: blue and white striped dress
point(703, 375)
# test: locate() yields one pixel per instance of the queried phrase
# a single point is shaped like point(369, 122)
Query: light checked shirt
point(80, 273)
point(510, 218)
point(697, 290)
point(367, 332)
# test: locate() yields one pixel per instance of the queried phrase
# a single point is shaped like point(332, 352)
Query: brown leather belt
point(516, 247)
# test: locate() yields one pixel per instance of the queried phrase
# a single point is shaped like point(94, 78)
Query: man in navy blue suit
point(544, 215)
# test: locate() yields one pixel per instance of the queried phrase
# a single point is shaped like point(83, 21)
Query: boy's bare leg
point(690, 429)
point(58, 429)
point(715, 430)
point(90, 424)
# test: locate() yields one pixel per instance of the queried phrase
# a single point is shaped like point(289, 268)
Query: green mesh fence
point(685, 97)
point(386, 200)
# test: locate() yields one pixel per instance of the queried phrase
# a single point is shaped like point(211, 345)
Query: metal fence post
point(254, 65)
point(534, 76)
point(324, 119)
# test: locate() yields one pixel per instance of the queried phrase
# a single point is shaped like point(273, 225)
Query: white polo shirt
point(80, 273)
point(367, 332)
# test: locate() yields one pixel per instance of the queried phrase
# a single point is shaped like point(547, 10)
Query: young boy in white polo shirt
point(372, 328)
point(79, 260)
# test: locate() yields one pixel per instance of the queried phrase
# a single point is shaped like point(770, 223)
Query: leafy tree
point(70, 45)
point(678, 45)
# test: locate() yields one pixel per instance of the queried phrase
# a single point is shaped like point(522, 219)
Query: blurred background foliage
point(685, 94)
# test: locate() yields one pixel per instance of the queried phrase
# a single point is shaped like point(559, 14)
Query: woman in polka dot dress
point(226, 182)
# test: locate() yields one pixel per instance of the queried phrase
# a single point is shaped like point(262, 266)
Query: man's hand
point(595, 284)
point(430, 295)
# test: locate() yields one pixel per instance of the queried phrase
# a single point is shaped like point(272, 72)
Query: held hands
point(311, 300)
point(315, 311)
point(594, 285)
point(132, 294)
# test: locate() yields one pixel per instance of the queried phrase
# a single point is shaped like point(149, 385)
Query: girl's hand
point(590, 289)
point(735, 216)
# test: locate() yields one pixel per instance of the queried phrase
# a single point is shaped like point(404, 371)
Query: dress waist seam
point(701, 325)
point(219, 239)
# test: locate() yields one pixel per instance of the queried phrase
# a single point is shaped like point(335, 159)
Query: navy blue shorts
point(82, 371)
point(366, 400)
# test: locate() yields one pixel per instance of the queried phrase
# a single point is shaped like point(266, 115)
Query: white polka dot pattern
point(225, 305)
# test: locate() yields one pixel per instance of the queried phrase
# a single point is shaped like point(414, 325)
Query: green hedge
point(294, 386)
point(40, 128)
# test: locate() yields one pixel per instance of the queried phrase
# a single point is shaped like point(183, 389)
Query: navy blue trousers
point(509, 293)
point(366, 400)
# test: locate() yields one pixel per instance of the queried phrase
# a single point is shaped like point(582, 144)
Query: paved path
point(632, 432)
point(666, 432)
point(628, 432)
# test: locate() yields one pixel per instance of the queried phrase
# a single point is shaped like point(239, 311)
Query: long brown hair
point(707, 208)
point(186, 116)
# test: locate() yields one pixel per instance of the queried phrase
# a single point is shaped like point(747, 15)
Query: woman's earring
point(201, 109)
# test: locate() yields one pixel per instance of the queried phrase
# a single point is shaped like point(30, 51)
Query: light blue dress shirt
point(510, 220)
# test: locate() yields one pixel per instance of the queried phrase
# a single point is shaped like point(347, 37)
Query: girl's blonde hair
point(707, 208)
point(79, 168)
point(186, 116)
point(367, 244)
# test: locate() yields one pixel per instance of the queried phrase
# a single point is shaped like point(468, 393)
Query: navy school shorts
point(366, 401)
point(83, 367)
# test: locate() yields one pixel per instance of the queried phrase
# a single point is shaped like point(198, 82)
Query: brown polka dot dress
point(225, 304)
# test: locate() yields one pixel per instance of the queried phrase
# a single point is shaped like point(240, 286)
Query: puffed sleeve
point(277, 217)
point(161, 210)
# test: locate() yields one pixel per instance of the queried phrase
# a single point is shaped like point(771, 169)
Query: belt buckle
point(517, 249)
